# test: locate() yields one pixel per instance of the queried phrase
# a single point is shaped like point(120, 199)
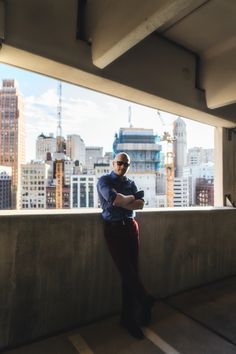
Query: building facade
point(92, 155)
point(195, 173)
point(204, 192)
point(83, 192)
point(51, 197)
point(45, 145)
point(146, 182)
point(34, 177)
point(68, 170)
point(101, 169)
point(12, 135)
point(143, 147)
point(181, 192)
point(199, 155)
point(75, 148)
point(5, 187)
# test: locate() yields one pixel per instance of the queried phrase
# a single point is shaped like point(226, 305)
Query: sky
point(94, 116)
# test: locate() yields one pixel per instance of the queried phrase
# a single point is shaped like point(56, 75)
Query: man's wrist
point(131, 198)
point(123, 200)
point(139, 194)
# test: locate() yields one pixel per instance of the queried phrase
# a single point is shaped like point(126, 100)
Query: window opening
point(57, 139)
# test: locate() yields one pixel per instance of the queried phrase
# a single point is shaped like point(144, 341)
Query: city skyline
point(94, 116)
point(65, 171)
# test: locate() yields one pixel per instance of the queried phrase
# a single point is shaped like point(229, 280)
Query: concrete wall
point(56, 272)
point(229, 163)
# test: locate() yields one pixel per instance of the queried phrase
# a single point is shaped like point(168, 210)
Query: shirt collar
point(118, 178)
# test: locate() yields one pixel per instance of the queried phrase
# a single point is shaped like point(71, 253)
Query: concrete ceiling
point(210, 32)
point(205, 27)
point(174, 55)
point(113, 26)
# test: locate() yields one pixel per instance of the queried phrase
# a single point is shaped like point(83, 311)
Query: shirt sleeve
point(135, 190)
point(106, 191)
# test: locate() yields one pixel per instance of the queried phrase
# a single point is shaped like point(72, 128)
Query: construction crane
point(59, 163)
point(169, 164)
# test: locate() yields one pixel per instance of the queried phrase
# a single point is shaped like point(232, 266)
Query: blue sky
point(94, 116)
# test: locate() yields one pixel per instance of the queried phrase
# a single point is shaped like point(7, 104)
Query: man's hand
point(122, 200)
point(135, 205)
point(128, 202)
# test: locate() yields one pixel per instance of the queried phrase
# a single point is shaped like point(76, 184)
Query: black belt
point(122, 222)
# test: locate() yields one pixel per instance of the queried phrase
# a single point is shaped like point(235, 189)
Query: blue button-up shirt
point(108, 186)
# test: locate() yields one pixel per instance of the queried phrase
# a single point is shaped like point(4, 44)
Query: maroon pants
point(123, 243)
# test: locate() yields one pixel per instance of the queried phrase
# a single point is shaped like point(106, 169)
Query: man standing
point(119, 197)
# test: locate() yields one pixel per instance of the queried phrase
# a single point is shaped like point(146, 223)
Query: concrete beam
point(156, 72)
point(28, 61)
point(219, 75)
point(113, 27)
point(2, 20)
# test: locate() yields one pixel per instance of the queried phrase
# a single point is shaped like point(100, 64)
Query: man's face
point(121, 165)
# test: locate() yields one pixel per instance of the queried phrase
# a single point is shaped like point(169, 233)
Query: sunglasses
point(121, 163)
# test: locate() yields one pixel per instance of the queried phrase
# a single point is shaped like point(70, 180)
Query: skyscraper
point(12, 135)
point(181, 183)
point(180, 146)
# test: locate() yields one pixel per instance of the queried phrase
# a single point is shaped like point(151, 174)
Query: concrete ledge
point(56, 273)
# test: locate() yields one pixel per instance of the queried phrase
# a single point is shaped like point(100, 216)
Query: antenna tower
point(59, 164)
point(59, 130)
point(130, 116)
point(59, 138)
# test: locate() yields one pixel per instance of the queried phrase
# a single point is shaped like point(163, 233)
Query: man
point(119, 197)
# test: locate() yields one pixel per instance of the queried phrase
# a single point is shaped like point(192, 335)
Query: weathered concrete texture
point(185, 335)
point(170, 331)
point(56, 272)
point(185, 249)
point(213, 305)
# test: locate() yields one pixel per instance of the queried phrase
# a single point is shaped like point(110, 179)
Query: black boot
point(132, 327)
point(146, 312)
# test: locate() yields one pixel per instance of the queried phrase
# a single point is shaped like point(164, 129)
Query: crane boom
point(169, 164)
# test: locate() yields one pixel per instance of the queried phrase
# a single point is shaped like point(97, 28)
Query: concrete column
point(228, 162)
point(218, 167)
